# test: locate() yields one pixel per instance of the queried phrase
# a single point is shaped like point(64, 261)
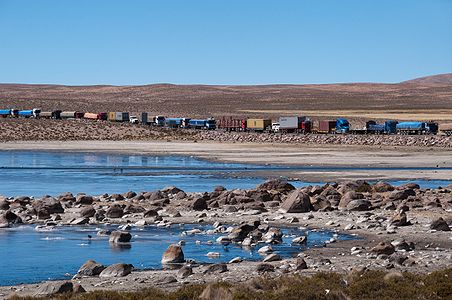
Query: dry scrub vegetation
point(357, 285)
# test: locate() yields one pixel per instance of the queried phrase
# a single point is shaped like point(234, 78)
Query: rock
point(133, 209)
point(219, 189)
point(141, 223)
point(279, 185)
point(84, 199)
point(9, 218)
point(4, 204)
point(401, 194)
point(320, 203)
point(213, 254)
point(118, 237)
point(399, 219)
point(359, 186)
point(184, 272)
point(273, 236)
point(216, 268)
point(382, 187)
point(296, 202)
point(116, 197)
point(265, 250)
point(87, 212)
point(80, 221)
point(151, 212)
point(51, 288)
point(272, 257)
point(166, 280)
point(264, 268)
point(115, 211)
point(230, 209)
point(398, 258)
point(383, 248)
point(359, 205)
point(300, 240)
point(90, 268)
point(439, 224)
point(198, 204)
point(103, 232)
point(348, 197)
point(173, 254)
point(129, 194)
point(216, 292)
point(239, 233)
point(300, 264)
point(116, 270)
point(401, 244)
point(47, 206)
point(171, 190)
point(235, 260)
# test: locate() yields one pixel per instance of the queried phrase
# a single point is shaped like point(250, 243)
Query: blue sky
point(223, 41)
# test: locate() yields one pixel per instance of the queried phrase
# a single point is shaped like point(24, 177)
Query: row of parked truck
point(285, 124)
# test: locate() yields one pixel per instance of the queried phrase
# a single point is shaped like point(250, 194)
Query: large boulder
point(90, 268)
point(87, 212)
point(279, 185)
point(399, 219)
point(240, 232)
point(4, 204)
point(115, 211)
point(117, 270)
point(173, 254)
point(348, 197)
point(83, 199)
point(198, 204)
point(439, 224)
point(359, 186)
point(358, 205)
point(320, 203)
point(401, 194)
point(118, 237)
point(49, 204)
point(8, 218)
point(296, 202)
point(51, 288)
point(382, 187)
point(383, 248)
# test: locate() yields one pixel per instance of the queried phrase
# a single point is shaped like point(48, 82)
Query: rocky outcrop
point(276, 185)
point(118, 237)
point(52, 288)
point(9, 218)
point(296, 202)
point(440, 224)
point(117, 270)
point(90, 268)
point(173, 254)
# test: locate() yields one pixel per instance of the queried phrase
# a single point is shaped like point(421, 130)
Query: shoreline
point(434, 164)
point(417, 247)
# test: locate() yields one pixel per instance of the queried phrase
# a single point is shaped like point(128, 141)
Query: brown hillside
point(215, 100)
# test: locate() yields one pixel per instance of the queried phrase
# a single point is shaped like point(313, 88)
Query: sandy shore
point(363, 162)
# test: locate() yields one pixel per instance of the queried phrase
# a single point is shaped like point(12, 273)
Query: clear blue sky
point(223, 41)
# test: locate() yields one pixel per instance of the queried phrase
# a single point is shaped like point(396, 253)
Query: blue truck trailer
point(5, 113)
point(389, 127)
point(29, 113)
point(207, 124)
point(417, 127)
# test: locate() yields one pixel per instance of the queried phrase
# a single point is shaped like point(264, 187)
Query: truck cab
point(134, 120)
point(275, 127)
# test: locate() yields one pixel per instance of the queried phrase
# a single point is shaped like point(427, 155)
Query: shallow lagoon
point(36, 173)
point(34, 256)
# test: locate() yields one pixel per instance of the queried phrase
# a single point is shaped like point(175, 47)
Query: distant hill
point(441, 79)
point(422, 94)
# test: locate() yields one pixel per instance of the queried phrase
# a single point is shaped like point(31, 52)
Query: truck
point(158, 121)
point(294, 124)
point(50, 114)
point(446, 128)
point(144, 118)
point(388, 127)
point(173, 122)
point(258, 124)
point(5, 113)
point(30, 113)
point(118, 116)
point(134, 120)
point(231, 124)
point(342, 125)
point(326, 126)
point(417, 127)
point(95, 116)
point(208, 124)
point(71, 115)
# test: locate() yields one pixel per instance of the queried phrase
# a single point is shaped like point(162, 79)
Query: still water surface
point(34, 256)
